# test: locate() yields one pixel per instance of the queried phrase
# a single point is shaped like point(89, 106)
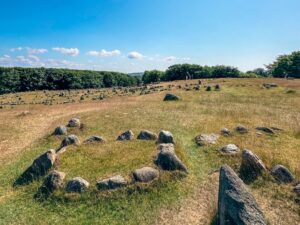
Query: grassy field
point(23, 136)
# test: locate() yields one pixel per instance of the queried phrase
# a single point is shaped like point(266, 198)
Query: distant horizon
point(133, 36)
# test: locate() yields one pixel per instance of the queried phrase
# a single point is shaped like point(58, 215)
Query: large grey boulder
point(111, 183)
point(230, 149)
point(252, 166)
point(165, 137)
point(94, 139)
point(241, 129)
point(126, 136)
point(145, 174)
point(40, 167)
point(77, 184)
point(147, 135)
point(70, 140)
point(236, 205)
point(282, 174)
point(171, 97)
point(52, 182)
point(74, 122)
point(168, 160)
point(60, 130)
point(206, 139)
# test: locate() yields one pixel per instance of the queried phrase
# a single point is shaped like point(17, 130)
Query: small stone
point(111, 183)
point(217, 87)
point(252, 166)
point(61, 130)
point(208, 88)
point(225, 132)
point(126, 136)
point(70, 140)
point(52, 182)
point(147, 135)
point(206, 139)
point(241, 129)
point(145, 174)
point(168, 160)
point(171, 97)
point(229, 149)
point(165, 137)
point(265, 129)
point(282, 174)
point(74, 122)
point(77, 185)
point(94, 139)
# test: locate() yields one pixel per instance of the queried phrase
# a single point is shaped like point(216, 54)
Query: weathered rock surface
point(94, 139)
point(165, 137)
point(168, 160)
point(126, 136)
point(241, 129)
point(70, 140)
point(145, 174)
point(52, 182)
point(147, 135)
point(297, 189)
point(236, 205)
point(77, 184)
point(225, 132)
point(252, 166)
point(265, 129)
point(74, 122)
point(230, 149)
point(166, 147)
point(111, 183)
point(61, 130)
point(171, 97)
point(282, 174)
point(206, 139)
point(40, 167)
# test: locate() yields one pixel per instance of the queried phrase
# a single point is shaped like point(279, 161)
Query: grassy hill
point(25, 132)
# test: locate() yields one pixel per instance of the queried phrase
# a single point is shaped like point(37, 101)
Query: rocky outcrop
point(265, 129)
point(241, 129)
point(94, 139)
point(70, 140)
point(236, 205)
point(229, 149)
point(225, 132)
point(60, 130)
point(74, 122)
point(40, 167)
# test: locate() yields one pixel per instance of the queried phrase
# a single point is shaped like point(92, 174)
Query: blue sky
point(135, 35)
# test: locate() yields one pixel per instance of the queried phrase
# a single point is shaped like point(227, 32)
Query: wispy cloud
point(104, 53)
point(135, 55)
point(67, 51)
point(16, 49)
point(170, 58)
point(36, 50)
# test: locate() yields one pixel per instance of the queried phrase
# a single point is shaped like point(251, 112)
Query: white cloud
point(36, 50)
point(135, 55)
point(67, 51)
point(34, 58)
point(170, 58)
point(16, 49)
point(104, 53)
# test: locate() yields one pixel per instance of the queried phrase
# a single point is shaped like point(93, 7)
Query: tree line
point(18, 79)
point(284, 66)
